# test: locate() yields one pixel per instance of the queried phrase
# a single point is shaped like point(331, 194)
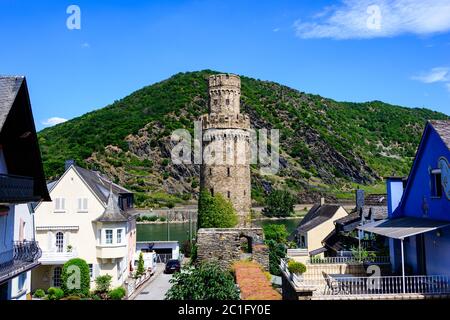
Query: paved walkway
point(156, 289)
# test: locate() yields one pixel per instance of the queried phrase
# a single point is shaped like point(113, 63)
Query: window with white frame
point(60, 204)
point(119, 236)
point(91, 270)
point(82, 204)
point(108, 236)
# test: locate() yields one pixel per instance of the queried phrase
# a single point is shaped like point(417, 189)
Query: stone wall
point(223, 246)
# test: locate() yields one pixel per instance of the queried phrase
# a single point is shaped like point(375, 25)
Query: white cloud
point(364, 19)
point(276, 30)
point(440, 74)
point(53, 120)
point(447, 85)
point(85, 45)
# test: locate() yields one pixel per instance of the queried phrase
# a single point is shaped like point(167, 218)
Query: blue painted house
point(418, 223)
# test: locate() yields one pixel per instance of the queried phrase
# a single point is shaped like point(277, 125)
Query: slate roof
point(317, 215)
point(442, 127)
point(9, 87)
point(112, 212)
point(99, 184)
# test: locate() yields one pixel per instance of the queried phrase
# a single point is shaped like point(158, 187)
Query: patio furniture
point(334, 286)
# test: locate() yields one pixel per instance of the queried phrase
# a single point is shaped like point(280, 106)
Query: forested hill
point(328, 147)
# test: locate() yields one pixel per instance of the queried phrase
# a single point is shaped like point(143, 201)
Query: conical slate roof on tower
point(112, 212)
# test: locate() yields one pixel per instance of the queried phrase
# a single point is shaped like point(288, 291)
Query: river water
point(180, 231)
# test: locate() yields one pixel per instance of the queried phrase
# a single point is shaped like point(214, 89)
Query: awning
point(404, 227)
point(57, 228)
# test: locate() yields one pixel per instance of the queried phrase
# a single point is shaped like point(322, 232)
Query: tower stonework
point(226, 139)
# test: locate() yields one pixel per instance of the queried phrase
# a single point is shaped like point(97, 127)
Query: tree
point(276, 232)
point(277, 251)
point(215, 212)
point(280, 203)
point(206, 282)
point(75, 277)
point(140, 267)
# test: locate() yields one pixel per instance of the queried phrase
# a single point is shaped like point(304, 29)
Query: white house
point(90, 218)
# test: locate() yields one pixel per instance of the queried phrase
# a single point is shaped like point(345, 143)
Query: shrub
point(69, 279)
point(206, 282)
point(96, 297)
point(140, 270)
point(72, 298)
point(54, 293)
point(277, 251)
point(117, 293)
point(296, 267)
point(279, 203)
point(215, 212)
point(276, 232)
point(39, 293)
point(103, 283)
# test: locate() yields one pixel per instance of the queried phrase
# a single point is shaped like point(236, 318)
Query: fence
point(163, 257)
point(347, 259)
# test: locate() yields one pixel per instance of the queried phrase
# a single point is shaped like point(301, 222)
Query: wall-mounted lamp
point(438, 233)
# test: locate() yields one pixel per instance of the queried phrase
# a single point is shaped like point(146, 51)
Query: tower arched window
point(210, 171)
point(229, 194)
point(227, 102)
point(229, 171)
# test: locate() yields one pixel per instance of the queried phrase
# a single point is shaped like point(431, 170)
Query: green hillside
point(327, 146)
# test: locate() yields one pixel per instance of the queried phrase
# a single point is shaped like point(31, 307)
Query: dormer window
point(436, 183)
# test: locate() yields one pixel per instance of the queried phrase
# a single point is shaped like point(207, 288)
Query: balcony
point(16, 189)
point(54, 257)
point(23, 257)
point(354, 287)
point(111, 251)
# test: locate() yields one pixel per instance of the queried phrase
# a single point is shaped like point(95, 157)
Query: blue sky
point(397, 52)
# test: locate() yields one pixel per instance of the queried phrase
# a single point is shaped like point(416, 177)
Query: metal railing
point(298, 252)
point(16, 188)
point(24, 254)
point(57, 257)
point(349, 260)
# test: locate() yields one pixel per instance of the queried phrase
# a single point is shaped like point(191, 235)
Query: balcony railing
point(346, 285)
point(53, 257)
point(16, 189)
point(349, 260)
point(24, 256)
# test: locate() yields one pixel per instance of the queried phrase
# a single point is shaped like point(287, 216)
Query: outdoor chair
point(333, 286)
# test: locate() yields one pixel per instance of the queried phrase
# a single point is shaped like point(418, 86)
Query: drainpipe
point(403, 265)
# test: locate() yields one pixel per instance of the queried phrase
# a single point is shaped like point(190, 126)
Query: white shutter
point(96, 270)
point(85, 204)
point(57, 204)
point(79, 204)
point(63, 204)
point(66, 240)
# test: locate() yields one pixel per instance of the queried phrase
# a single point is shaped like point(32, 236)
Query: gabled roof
point(99, 184)
point(317, 215)
point(18, 136)
point(442, 127)
point(9, 88)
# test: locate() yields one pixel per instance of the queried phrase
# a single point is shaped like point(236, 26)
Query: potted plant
point(69, 248)
point(296, 268)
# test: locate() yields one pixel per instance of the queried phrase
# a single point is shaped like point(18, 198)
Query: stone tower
point(226, 139)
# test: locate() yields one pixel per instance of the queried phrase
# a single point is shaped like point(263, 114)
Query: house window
point(109, 236)
point(91, 270)
point(60, 204)
point(436, 184)
point(119, 236)
point(82, 205)
point(22, 281)
point(57, 277)
point(59, 242)
point(302, 242)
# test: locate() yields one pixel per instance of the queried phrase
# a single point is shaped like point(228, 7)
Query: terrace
point(345, 286)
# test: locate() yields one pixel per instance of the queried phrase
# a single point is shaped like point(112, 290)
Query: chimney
point(322, 201)
point(68, 163)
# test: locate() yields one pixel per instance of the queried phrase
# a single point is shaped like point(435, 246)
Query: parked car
point(172, 266)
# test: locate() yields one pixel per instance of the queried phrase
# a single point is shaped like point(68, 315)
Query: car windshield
point(172, 262)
